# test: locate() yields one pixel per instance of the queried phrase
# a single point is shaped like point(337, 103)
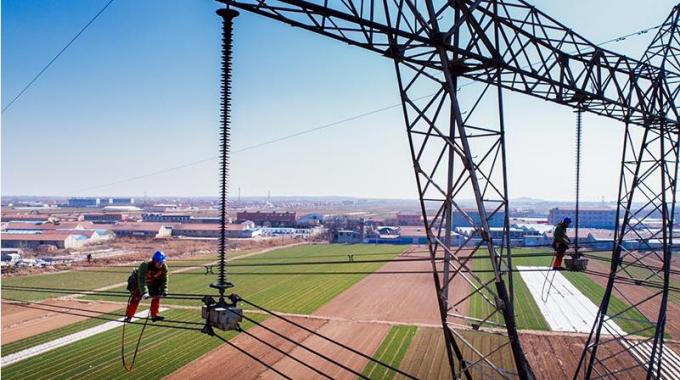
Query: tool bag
point(132, 281)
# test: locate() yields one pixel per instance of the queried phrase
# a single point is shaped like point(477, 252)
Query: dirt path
point(20, 322)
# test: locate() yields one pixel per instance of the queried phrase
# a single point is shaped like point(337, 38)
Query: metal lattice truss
point(458, 144)
point(642, 252)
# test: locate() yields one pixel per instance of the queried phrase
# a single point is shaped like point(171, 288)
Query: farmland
point(527, 313)
point(35, 340)
point(99, 356)
point(391, 351)
point(303, 289)
point(76, 279)
point(294, 288)
point(278, 287)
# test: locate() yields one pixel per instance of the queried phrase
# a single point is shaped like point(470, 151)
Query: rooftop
point(53, 236)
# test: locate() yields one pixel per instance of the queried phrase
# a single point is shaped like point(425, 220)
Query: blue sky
point(138, 93)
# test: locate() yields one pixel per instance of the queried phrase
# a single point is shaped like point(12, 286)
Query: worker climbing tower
point(646, 203)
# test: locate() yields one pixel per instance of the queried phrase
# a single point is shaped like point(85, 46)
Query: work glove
point(146, 295)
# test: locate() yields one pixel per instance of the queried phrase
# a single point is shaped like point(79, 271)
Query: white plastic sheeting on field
point(565, 308)
point(68, 339)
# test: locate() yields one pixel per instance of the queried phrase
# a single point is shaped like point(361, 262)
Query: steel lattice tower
point(647, 190)
point(458, 146)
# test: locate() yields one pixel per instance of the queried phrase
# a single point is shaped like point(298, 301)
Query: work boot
point(127, 319)
point(157, 318)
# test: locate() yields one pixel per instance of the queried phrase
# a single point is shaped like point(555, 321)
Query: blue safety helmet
point(158, 257)
point(566, 221)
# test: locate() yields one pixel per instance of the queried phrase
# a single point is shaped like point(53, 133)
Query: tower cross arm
point(534, 54)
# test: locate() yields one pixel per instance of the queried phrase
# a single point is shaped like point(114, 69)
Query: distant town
point(46, 231)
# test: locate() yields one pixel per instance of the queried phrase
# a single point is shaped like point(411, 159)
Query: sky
point(138, 93)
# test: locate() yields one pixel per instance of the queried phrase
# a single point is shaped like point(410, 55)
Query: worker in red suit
point(560, 242)
point(149, 280)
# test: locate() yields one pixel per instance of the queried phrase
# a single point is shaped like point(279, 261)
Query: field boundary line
point(68, 339)
point(181, 270)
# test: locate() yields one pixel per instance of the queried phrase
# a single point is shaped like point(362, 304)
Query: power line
point(337, 343)
point(247, 148)
point(283, 138)
point(108, 293)
point(92, 311)
point(154, 326)
point(253, 336)
point(305, 347)
point(33, 305)
point(83, 29)
point(253, 357)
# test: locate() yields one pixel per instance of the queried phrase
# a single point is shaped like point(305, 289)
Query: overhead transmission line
point(47, 66)
point(321, 127)
point(356, 259)
point(333, 341)
point(60, 309)
point(87, 313)
point(245, 352)
point(252, 357)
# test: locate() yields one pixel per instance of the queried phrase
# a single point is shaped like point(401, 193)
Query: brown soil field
point(225, 362)
point(407, 298)
point(632, 294)
point(364, 337)
point(20, 322)
point(551, 356)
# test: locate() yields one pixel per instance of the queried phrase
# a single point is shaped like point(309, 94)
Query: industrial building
point(347, 237)
point(166, 218)
point(310, 220)
point(60, 240)
point(588, 217)
point(108, 218)
point(460, 220)
point(211, 230)
point(83, 202)
point(268, 219)
point(206, 219)
point(143, 230)
point(404, 219)
point(29, 218)
point(121, 201)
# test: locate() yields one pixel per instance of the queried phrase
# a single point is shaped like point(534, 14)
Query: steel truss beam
point(535, 54)
point(647, 190)
point(458, 150)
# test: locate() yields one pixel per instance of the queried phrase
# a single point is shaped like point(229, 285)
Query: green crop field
point(76, 279)
point(294, 289)
point(644, 274)
point(161, 352)
point(47, 336)
point(285, 288)
point(391, 351)
point(70, 279)
point(527, 313)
